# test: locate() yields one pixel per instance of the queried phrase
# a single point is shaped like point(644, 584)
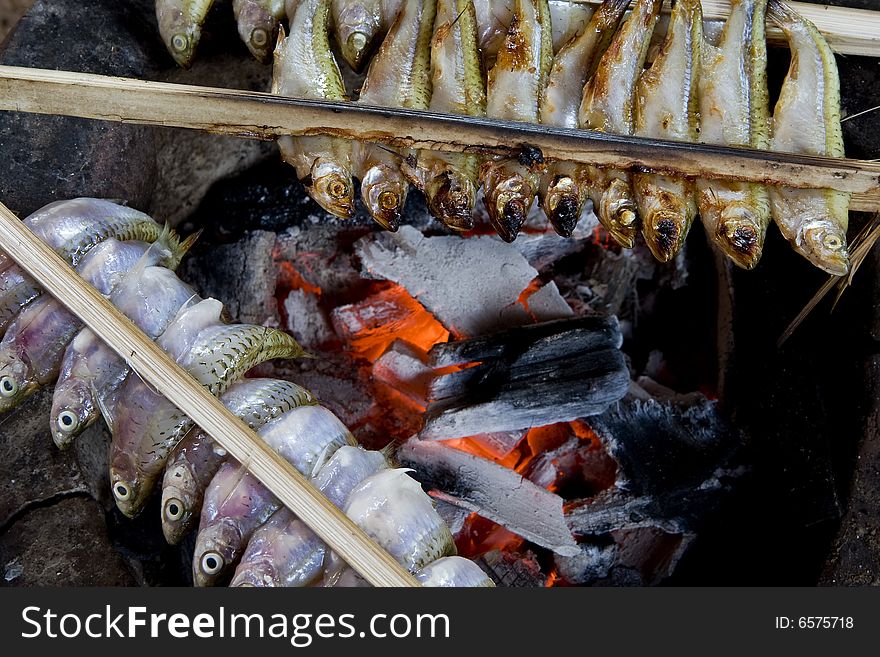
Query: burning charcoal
point(453, 516)
point(646, 556)
point(512, 569)
point(500, 444)
point(312, 258)
point(306, 320)
point(472, 285)
point(575, 367)
point(493, 491)
point(404, 369)
point(592, 563)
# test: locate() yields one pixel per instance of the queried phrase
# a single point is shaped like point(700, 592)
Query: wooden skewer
point(159, 370)
point(265, 116)
point(848, 31)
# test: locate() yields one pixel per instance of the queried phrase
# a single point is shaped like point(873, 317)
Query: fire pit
point(580, 413)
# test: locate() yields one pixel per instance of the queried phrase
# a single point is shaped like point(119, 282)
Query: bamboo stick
point(159, 370)
point(265, 116)
point(848, 31)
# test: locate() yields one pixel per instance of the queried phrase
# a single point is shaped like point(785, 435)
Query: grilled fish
point(608, 106)
point(454, 572)
point(236, 504)
point(514, 90)
point(197, 458)
point(358, 27)
point(734, 111)
point(667, 107)
point(450, 180)
point(258, 22)
point(305, 68)
point(399, 76)
point(180, 24)
point(561, 194)
point(807, 120)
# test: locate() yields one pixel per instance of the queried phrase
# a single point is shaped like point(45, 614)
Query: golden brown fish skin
point(450, 180)
point(608, 106)
point(814, 221)
point(357, 25)
point(258, 22)
point(560, 194)
point(399, 76)
point(180, 24)
point(734, 111)
point(514, 91)
point(667, 107)
point(305, 68)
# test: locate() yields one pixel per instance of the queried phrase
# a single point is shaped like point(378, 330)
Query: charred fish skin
point(561, 194)
point(514, 90)
point(450, 180)
point(608, 106)
point(734, 111)
point(180, 24)
point(399, 76)
point(305, 68)
point(197, 458)
point(284, 552)
point(146, 426)
point(667, 107)
point(258, 22)
point(306, 437)
point(814, 221)
point(32, 350)
point(394, 510)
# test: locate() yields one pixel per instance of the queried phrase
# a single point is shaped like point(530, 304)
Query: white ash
point(404, 369)
point(315, 252)
point(306, 320)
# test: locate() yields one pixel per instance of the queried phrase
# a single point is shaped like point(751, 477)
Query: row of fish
point(434, 55)
point(130, 259)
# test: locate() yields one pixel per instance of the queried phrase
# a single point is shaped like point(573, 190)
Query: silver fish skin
point(454, 572)
point(305, 68)
point(399, 76)
point(807, 120)
point(146, 426)
point(393, 509)
point(734, 111)
point(667, 107)
point(514, 91)
point(72, 228)
point(561, 194)
point(608, 106)
point(180, 25)
point(197, 458)
point(33, 347)
point(284, 551)
point(450, 180)
point(357, 25)
point(258, 22)
point(306, 437)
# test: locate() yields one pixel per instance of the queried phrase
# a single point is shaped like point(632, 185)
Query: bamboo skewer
point(265, 116)
point(848, 31)
point(168, 378)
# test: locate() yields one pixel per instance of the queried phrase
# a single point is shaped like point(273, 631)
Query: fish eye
point(180, 42)
point(626, 217)
point(337, 189)
point(121, 491)
point(388, 200)
point(68, 421)
point(211, 563)
point(259, 37)
point(832, 242)
point(173, 509)
point(8, 386)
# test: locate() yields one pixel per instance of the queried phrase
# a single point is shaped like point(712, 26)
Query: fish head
point(618, 214)
point(823, 242)
point(665, 231)
point(178, 502)
point(17, 378)
point(180, 31)
point(73, 409)
point(384, 190)
point(258, 28)
point(508, 194)
point(258, 574)
point(356, 30)
point(563, 204)
point(330, 185)
point(217, 548)
point(451, 198)
point(129, 489)
point(740, 235)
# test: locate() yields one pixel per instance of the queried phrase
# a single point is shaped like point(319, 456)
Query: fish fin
point(106, 406)
point(278, 57)
point(389, 452)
